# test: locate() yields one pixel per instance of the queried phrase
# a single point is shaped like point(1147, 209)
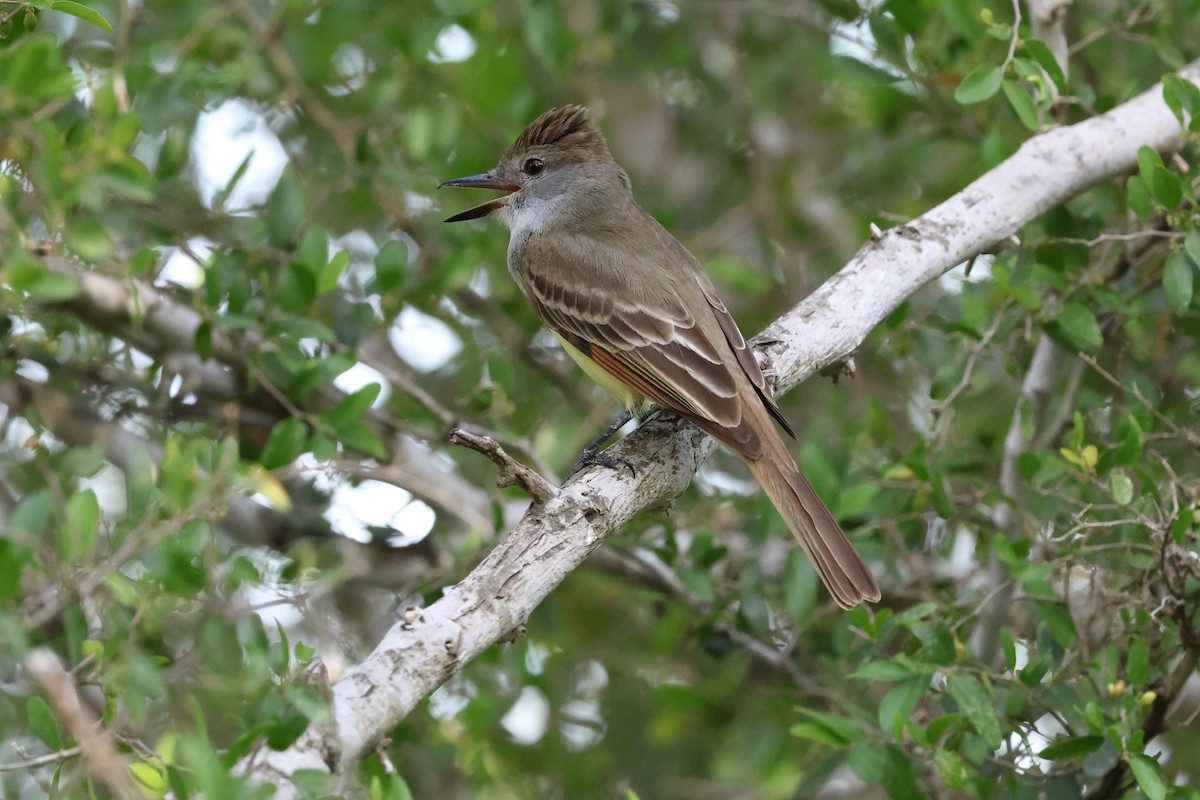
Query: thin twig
point(1107, 237)
point(42, 760)
point(1188, 436)
point(665, 578)
point(512, 472)
point(940, 407)
point(1016, 35)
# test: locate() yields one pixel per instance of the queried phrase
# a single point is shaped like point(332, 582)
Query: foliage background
point(770, 137)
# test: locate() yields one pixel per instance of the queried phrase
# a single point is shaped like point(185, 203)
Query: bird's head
point(559, 165)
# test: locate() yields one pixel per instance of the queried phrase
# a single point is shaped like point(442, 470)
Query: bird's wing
point(645, 337)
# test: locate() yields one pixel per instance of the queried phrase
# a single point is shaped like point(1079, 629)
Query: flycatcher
point(637, 312)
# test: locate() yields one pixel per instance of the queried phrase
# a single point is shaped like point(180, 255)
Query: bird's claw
point(588, 459)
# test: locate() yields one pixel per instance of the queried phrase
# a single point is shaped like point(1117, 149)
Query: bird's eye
point(533, 166)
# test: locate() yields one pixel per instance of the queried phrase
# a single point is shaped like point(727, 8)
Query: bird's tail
point(841, 568)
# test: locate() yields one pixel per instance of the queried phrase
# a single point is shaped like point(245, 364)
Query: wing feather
point(745, 357)
point(655, 345)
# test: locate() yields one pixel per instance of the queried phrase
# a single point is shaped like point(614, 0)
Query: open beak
point(484, 180)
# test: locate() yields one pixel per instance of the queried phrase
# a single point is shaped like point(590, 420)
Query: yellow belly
point(620, 391)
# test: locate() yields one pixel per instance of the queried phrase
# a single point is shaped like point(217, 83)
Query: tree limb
point(96, 743)
point(421, 652)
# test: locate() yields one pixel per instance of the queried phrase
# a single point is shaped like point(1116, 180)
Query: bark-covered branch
point(491, 604)
point(164, 327)
point(74, 422)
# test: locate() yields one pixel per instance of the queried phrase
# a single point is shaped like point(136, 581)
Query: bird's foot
point(590, 457)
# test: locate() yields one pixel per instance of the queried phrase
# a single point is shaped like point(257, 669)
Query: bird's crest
point(568, 128)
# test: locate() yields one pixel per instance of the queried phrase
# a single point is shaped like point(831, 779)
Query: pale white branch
point(495, 599)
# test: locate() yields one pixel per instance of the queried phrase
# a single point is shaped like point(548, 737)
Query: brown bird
point(637, 312)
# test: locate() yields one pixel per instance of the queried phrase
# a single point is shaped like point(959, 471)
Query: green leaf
point(352, 406)
point(1182, 525)
point(902, 781)
point(296, 288)
point(937, 728)
point(139, 482)
point(909, 14)
point(1130, 449)
point(355, 434)
point(1071, 748)
point(699, 582)
point(889, 37)
point(32, 514)
point(1137, 664)
point(1177, 282)
point(283, 731)
point(939, 495)
point(1191, 246)
point(129, 179)
point(1138, 197)
point(83, 12)
point(1045, 59)
point(304, 652)
point(979, 84)
point(816, 733)
point(288, 440)
point(883, 671)
point(1164, 186)
point(79, 530)
point(917, 612)
point(149, 777)
point(1121, 487)
point(36, 72)
point(173, 155)
point(951, 767)
point(202, 341)
point(898, 704)
point(42, 722)
point(854, 501)
point(89, 239)
point(219, 647)
point(1183, 98)
point(42, 283)
point(390, 264)
point(1148, 776)
point(332, 271)
point(842, 9)
point(976, 705)
point(1028, 465)
point(223, 194)
point(799, 586)
point(1010, 649)
point(313, 251)
point(299, 327)
point(866, 763)
point(285, 210)
point(1058, 622)
point(143, 261)
point(1033, 672)
point(1078, 324)
point(393, 787)
point(13, 560)
point(1022, 103)
point(846, 730)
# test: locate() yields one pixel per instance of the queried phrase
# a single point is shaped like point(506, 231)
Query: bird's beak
point(484, 180)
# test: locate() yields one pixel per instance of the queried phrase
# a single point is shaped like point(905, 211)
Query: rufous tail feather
point(838, 564)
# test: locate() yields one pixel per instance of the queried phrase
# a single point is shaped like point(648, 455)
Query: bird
point(638, 313)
